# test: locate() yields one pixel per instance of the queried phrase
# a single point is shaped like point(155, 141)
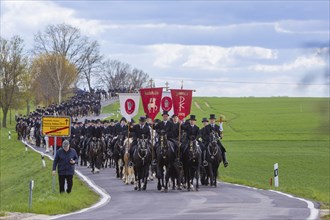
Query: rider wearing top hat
point(140, 131)
point(206, 135)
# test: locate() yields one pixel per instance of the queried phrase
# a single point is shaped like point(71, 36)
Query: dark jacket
point(207, 130)
point(138, 131)
point(121, 129)
point(62, 161)
point(191, 131)
point(168, 128)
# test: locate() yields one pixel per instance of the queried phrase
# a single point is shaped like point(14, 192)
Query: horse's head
point(214, 137)
point(120, 142)
point(193, 148)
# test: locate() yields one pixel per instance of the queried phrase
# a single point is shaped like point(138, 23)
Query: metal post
point(30, 194)
point(26, 148)
point(43, 161)
point(53, 180)
point(9, 135)
point(276, 183)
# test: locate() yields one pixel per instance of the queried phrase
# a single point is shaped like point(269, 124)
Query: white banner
point(129, 104)
point(167, 103)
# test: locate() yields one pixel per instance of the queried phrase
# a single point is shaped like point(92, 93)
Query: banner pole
point(152, 141)
point(179, 145)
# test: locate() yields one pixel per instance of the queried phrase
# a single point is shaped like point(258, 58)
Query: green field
point(18, 167)
point(259, 132)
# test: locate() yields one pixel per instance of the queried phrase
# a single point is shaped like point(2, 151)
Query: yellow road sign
point(56, 126)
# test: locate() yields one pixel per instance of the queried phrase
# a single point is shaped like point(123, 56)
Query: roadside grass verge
point(18, 167)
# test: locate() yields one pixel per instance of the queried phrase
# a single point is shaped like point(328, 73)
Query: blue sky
point(219, 48)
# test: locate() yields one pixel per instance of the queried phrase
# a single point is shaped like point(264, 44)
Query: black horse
point(75, 144)
point(142, 161)
point(165, 158)
point(191, 162)
point(213, 158)
point(84, 144)
point(95, 151)
point(118, 152)
point(108, 151)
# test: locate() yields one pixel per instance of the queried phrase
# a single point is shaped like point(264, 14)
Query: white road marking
point(105, 197)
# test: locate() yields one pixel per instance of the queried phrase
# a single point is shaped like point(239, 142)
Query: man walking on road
point(65, 160)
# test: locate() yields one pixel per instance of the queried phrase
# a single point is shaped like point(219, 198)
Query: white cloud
point(24, 17)
point(300, 63)
point(302, 27)
point(207, 56)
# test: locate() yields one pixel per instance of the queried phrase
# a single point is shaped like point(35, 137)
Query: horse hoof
point(163, 189)
point(132, 182)
point(135, 188)
point(179, 188)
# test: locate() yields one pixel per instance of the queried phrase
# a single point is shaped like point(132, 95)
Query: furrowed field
point(293, 132)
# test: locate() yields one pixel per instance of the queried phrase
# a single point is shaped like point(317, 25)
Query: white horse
point(128, 171)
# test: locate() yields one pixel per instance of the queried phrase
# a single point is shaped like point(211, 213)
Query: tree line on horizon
point(61, 58)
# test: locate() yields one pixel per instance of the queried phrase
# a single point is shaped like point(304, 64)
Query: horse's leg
point(197, 178)
point(167, 178)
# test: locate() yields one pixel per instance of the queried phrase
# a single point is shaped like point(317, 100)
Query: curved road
point(228, 201)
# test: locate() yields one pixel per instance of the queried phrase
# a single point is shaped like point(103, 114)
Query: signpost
point(56, 127)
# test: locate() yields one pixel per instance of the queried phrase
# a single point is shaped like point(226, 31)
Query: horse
point(213, 158)
point(108, 151)
point(19, 130)
point(191, 162)
point(83, 150)
point(118, 151)
point(142, 160)
point(95, 152)
point(75, 144)
point(165, 158)
point(128, 169)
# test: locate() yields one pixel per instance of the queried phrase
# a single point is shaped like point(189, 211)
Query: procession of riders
point(177, 153)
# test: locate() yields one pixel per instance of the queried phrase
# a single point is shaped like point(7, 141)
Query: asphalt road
point(227, 201)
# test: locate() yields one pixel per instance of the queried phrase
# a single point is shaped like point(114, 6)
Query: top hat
point(142, 119)
point(205, 120)
point(165, 113)
point(212, 116)
point(123, 119)
point(192, 117)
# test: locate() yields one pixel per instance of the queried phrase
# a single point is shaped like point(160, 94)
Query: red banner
point(181, 102)
point(151, 99)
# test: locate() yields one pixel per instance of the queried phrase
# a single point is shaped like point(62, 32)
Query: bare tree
point(117, 75)
point(12, 65)
point(93, 62)
point(67, 41)
point(138, 79)
point(114, 74)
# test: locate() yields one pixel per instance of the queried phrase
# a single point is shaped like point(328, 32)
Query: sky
point(218, 48)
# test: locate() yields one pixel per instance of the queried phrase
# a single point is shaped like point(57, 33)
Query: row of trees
point(61, 57)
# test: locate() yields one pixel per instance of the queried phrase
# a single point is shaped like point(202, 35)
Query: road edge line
point(314, 212)
point(105, 197)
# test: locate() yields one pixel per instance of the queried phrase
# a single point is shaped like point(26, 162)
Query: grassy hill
point(259, 132)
